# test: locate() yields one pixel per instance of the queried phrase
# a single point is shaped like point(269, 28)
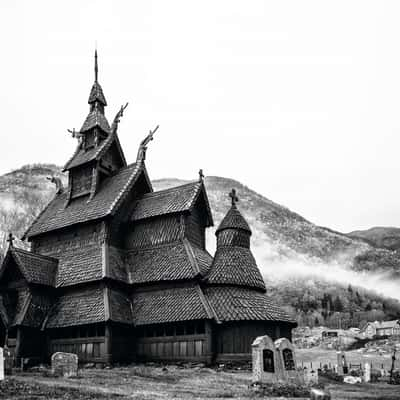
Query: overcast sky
point(299, 100)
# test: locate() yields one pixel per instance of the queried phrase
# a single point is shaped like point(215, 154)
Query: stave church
point(118, 272)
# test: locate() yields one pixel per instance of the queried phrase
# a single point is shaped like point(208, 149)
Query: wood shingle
point(57, 216)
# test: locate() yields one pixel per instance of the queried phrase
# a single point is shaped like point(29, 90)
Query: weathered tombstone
point(287, 359)
point(64, 364)
point(266, 365)
point(367, 372)
point(1, 365)
point(342, 363)
point(318, 394)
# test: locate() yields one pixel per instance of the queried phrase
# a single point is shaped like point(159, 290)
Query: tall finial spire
point(96, 68)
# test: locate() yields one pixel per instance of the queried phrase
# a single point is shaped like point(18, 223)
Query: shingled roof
point(96, 118)
point(35, 268)
point(169, 262)
point(233, 220)
point(172, 305)
point(82, 156)
point(35, 311)
point(234, 265)
point(238, 304)
point(104, 203)
point(173, 200)
point(96, 94)
point(92, 305)
point(77, 308)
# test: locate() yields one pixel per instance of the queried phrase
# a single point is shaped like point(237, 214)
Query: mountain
point(380, 236)
point(321, 274)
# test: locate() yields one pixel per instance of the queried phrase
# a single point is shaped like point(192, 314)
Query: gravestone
point(318, 394)
point(1, 365)
point(8, 361)
point(343, 368)
point(287, 359)
point(266, 364)
point(64, 364)
point(367, 372)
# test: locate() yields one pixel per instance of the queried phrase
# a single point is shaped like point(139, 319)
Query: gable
point(11, 276)
point(110, 196)
point(21, 266)
point(178, 199)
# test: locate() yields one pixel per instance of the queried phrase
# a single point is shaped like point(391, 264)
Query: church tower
point(99, 153)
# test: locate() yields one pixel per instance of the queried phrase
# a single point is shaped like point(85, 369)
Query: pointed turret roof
point(234, 264)
point(97, 103)
point(233, 219)
point(96, 93)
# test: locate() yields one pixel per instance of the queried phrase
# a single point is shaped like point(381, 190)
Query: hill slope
point(307, 267)
point(380, 236)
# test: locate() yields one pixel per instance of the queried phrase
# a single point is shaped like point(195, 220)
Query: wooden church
point(119, 272)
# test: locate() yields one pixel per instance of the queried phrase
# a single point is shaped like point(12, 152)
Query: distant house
point(332, 333)
point(382, 328)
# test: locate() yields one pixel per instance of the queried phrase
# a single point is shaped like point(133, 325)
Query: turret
point(234, 264)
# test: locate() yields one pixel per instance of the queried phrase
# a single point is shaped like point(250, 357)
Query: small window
point(180, 329)
point(190, 328)
point(92, 331)
point(200, 327)
point(149, 332)
point(160, 331)
point(169, 330)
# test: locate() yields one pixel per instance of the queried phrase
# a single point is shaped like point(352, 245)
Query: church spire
point(96, 97)
point(96, 67)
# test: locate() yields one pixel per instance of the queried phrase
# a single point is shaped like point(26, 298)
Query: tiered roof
point(169, 262)
point(238, 304)
point(82, 156)
point(35, 268)
point(107, 199)
point(235, 266)
point(171, 305)
point(89, 306)
point(173, 200)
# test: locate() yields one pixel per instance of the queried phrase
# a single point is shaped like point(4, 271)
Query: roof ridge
point(25, 308)
point(38, 216)
point(31, 253)
point(132, 179)
point(78, 148)
point(191, 256)
point(170, 189)
point(208, 307)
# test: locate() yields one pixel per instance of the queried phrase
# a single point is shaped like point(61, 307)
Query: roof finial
point(233, 197)
point(201, 175)
point(11, 239)
point(96, 67)
point(141, 156)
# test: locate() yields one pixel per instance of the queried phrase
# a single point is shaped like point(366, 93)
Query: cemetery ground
point(173, 382)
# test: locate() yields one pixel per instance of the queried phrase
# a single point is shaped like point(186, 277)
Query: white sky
point(298, 100)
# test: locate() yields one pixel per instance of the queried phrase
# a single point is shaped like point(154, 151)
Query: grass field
point(144, 382)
